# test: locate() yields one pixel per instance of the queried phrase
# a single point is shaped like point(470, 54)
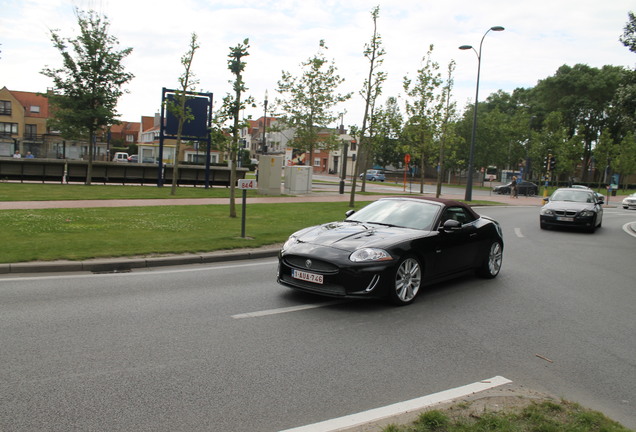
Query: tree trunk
point(89, 167)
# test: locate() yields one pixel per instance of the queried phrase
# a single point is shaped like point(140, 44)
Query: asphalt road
point(224, 348)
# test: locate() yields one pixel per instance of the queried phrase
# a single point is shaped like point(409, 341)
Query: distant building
point(23, 123)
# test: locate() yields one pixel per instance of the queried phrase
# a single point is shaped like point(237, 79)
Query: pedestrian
point(29, 155)
point(17, 155)
point(513, 187)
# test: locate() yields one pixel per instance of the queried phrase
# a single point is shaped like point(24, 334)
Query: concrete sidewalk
point(326, 196)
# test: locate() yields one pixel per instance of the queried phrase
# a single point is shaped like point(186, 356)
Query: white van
point(120, 157)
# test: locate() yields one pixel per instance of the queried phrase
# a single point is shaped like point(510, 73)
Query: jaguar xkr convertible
point(392, 248)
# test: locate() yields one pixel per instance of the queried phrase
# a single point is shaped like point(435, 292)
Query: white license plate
point(565, 219)
point(306, 276)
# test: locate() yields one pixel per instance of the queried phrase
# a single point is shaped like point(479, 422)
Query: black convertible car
point(391, 248)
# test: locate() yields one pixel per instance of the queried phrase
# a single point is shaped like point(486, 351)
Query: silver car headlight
point(586, 213)
point(547, 212)
point(369, 255)
point(292, 240)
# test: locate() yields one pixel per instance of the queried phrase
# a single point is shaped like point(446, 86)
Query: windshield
point(402, 213)
point(581, 196)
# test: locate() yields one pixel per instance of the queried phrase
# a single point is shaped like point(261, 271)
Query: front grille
point(568, 213)
point(326, 288)
point(316, 265)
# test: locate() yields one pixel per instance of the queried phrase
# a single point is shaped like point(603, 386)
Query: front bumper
point(568, 221)
point(365, 280)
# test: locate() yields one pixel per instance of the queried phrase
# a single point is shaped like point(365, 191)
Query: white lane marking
point(518, 232)
point(629, 230)
point(283, 310)
point(401, 407)
point(142, 271)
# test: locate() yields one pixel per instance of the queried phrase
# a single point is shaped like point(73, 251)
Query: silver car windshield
point(401, 213)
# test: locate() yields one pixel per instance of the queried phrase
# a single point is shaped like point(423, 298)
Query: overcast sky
point(539, 37)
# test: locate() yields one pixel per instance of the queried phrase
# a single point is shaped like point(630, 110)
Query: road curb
point(112, 265)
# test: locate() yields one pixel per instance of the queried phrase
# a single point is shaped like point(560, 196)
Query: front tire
point(407, 281)
point(492, 263)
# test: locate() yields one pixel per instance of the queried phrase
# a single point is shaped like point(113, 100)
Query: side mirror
point(349, 212)
point(451, 225)
point(546, 199)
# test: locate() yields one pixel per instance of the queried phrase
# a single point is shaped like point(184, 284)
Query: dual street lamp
point(469, 182)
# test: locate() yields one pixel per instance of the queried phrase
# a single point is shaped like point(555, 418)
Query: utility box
point(269, 172)
point(298, 179)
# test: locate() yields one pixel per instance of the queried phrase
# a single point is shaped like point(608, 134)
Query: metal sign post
point(245, 184)
point(407, 160)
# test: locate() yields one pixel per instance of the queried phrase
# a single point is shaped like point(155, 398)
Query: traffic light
point(552, 163)
point(545, 163)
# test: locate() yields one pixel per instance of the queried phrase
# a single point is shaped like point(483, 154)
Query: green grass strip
point(77, 234)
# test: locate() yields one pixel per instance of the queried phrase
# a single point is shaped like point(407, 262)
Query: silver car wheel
point(408, 279)
point(494, 260)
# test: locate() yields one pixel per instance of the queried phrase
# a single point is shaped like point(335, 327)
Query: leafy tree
point(565, 148)
point(424, 109)
point(388, 126)
point(604, 151)
point(583, 95)
point(232, 106)
point(629, 33)
point(371, 90)
point(623, 107)
point(310, 99)
point(89, 83)
point(447, 135)
point(178, 105)
point(625, 163)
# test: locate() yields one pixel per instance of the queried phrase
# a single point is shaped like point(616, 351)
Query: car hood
point(568, 205)
point(354, 235)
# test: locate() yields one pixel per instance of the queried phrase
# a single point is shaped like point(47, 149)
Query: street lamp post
point(471, 157)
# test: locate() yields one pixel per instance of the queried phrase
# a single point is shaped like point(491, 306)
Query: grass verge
point(56, 192)
point(539, 416)
point(77, 234)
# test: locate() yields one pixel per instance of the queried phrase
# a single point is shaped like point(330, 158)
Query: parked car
point(523, 188)
point(120, 157)
point(374, 175)
point(391, 248)
point(572, 207)
point(133, 158)
point(629, 202)
point(599, 196)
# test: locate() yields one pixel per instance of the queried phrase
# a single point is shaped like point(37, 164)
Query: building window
point(35, 108)
point(130, 138)
point(8, 128)
point(316, 162)
point(30, 131)
point(5, 107)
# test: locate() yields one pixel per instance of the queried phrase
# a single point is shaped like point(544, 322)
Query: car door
point(454, 250)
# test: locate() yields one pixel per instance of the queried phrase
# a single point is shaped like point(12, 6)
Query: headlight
point(586, 213)
point(370, 254)
point(292, 240)
point(547, 212)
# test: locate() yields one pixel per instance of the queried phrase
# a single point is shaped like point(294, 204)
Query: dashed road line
point(284, 310)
